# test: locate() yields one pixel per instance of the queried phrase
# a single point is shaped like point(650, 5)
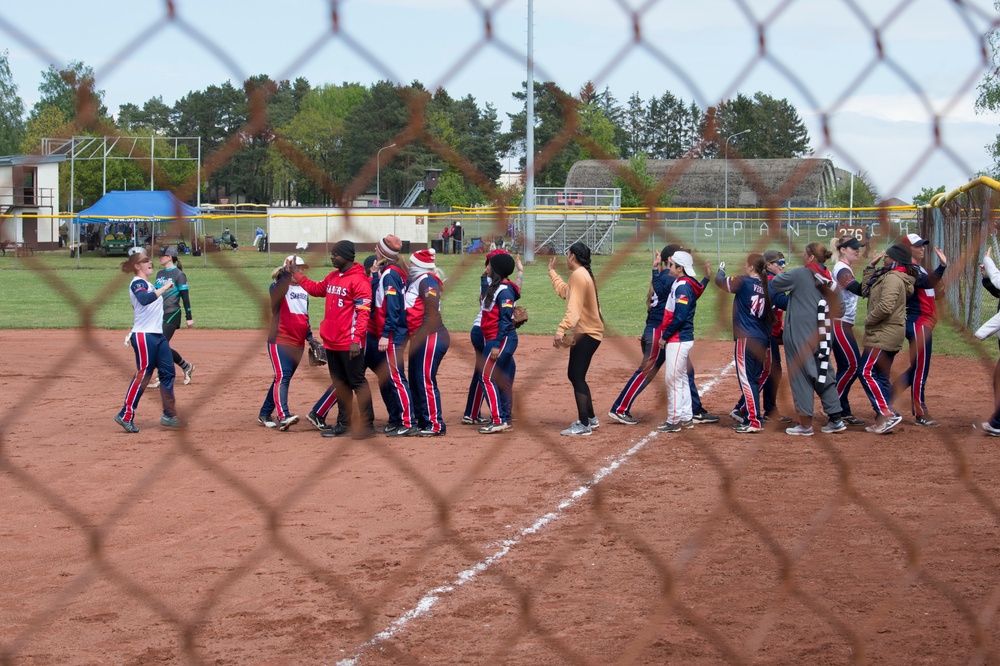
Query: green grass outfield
point(228, 291)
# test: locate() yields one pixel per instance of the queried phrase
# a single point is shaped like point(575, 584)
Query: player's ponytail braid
point(582, 254)
point(759, 266)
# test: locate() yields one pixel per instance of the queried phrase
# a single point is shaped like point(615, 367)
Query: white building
point(29, 200)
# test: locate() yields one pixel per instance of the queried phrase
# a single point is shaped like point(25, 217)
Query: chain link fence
point(704, 548)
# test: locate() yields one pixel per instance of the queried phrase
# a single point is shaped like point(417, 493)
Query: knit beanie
point(502, 264)
point(493, 253)
point(423, 259)
point(389, 247)
point(344, 249)
point(900, 254)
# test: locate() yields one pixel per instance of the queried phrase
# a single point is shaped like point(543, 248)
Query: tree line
point(289, 142)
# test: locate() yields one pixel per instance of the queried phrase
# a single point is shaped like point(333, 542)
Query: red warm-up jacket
point(348, 306)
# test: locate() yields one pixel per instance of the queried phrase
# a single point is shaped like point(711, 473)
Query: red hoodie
point(348, 306)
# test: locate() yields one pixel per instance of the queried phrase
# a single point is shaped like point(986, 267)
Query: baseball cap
point(136, 250)
point(168, 251)
point(682, 258)
point(916, 241)
point(293, 259)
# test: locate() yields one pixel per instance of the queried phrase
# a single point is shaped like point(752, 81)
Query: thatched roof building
point(702, 183)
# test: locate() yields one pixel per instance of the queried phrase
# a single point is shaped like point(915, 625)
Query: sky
point(896, 84)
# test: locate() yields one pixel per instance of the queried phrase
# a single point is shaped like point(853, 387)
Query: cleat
point(287, 422)
point(494, 428)
point(188, 371)
point(154, 383)
point(479, 421)
point(429, 432)
point(391, 426)
point(744, 428)
point(737, 416)
point(850, 419)
point(705, 417)
point(985, 427)
point(594, 423)
point(128, 425)
point(403, 432)
point(885, 426)
point(668, 427)
point(267, 421)
point(577, 428)
point(800, 430)
point(171, 421)
point(834, 426)
point(686, 424)
point(335, 431)
point(317, 421)
point(926, 421)
point(624, 418)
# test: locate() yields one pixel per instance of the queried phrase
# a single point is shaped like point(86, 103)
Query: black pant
point(580, 356)
point(169, 328)
point(348, 377)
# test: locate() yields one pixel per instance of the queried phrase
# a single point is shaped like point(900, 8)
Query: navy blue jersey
point(662, 282)
point(678, 314)
point(749, 310)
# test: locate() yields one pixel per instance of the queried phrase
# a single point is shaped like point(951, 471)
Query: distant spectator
point(446, 235)
point(456, 237)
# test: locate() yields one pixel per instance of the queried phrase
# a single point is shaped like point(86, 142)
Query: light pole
point(726, 159)
point(378, 174)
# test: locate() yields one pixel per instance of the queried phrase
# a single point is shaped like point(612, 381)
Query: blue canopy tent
point(135, 207)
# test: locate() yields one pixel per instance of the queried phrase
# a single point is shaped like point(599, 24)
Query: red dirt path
point(225, 543)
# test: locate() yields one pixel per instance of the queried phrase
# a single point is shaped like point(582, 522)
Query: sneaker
point(624, 418)
point(926, 421)
point(154, 383)
point(705, 417)
point(287, 422)
point(335, 431)
point(403, 432)
point(744, 428)
point(128, 425)
point(267, 421)
point(801, 430)
point(479, 421)
point(984, 426)
point(885, 426)
point(577, 428)
point(317, 421)
point(429, 432)
point(834, 426)
point(668, 427)
point(850, 419)
point(593, 422)
point(391, 426)
point(171, 421)
point(493, 428)
point(188, 371)
point(737, 416)
point(687, 424)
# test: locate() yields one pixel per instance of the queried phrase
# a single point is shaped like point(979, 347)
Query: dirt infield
point(226, 543)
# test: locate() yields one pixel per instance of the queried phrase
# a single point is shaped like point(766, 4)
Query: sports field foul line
point(431, 598)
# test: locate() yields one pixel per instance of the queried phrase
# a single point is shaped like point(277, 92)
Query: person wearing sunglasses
point(150, 346)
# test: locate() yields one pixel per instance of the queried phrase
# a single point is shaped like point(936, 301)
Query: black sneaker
point(737, 416)
point(287, 422)
point(318, 421)
point(391, 426)
point(336, 431)
point(926, 422)
point(669, 427)
point(624, 418)
point(745, 428)
point(705, 417)
point(850, 419)
point(128, 425)
point(429, 432)
point(267, 420)
point(403, 432)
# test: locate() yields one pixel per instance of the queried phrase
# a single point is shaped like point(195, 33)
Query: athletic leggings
point(475, 400)
point(845, 349)
point(875, 367)
point(580, 355)
point(169, 328)
point(915, 377)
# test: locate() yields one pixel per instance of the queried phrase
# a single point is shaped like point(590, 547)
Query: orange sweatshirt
point(582, 313)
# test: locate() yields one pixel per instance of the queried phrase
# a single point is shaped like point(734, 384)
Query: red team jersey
point(424, 285)
point(290, 318)
point(348, 306)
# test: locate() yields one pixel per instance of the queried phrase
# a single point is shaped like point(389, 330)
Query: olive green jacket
point(885, 323)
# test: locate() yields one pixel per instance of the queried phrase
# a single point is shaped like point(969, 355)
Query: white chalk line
point(430, 599)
